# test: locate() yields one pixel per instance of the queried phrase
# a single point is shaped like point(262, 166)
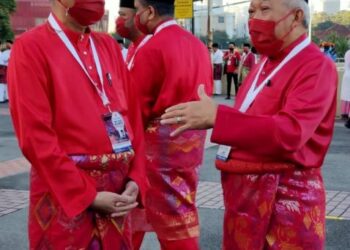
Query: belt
point(245, 167)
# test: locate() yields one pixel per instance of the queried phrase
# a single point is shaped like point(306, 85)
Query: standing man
point(217, 59)
point(125, 27)
point(168, 70)
point(4, 60)
point(232, 59)
point(70, 101)
point(276, 135)
point(248, 62)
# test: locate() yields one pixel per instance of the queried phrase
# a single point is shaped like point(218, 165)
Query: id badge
point(223, 152)
point(117, 132)
point(229, 62)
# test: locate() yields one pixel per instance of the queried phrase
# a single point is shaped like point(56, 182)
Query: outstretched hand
point(191, 115)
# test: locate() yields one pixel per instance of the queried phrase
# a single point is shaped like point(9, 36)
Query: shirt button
point(85, 53)
point(90, 67)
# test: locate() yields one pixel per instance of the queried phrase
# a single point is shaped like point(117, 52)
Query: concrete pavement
point(14, 194)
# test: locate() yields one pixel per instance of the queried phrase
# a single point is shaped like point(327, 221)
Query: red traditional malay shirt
point(132, 48)
point(57, 112)
point(232, 61)
point(291, 119)
point(249, 60)
point(168, 70)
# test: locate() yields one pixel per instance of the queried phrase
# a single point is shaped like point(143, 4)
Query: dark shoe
point(344, 117)
point(227, 98)
point(347, 124)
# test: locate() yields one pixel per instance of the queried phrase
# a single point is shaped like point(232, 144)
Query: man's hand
point(130, 194)
point(192, 115)
point(105, 202)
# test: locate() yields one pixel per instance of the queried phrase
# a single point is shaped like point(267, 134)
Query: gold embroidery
point(307, 221)
point(263, 209)
point(271, 239)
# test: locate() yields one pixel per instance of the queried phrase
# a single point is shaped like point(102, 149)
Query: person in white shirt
point(4, 59)
point(123, 49)
point(345, 91)
point(217, 66)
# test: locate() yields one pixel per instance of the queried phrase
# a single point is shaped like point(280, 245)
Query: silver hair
point(300, 4)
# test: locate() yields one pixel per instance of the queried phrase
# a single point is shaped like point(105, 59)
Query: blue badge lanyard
point(101, 92)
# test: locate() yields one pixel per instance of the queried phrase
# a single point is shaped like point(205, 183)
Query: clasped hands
point(199, 114)
point(117, 205)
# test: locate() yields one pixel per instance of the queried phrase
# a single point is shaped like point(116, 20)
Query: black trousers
point(231, 76)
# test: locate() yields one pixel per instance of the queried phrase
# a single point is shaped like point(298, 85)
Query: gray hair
point(300, 4)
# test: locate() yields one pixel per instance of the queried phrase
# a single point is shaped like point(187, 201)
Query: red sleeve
point(238, 55)
point(251, 61)
point(32, 118)
point(307, 104)
point(149, 84)
point(225, 57)
point(137, 172)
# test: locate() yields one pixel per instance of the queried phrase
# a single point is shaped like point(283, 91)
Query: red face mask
point(121, 29)
point(141, 27)
point(87, 12)
point(262, 34)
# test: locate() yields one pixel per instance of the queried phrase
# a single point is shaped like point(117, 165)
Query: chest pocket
point(269, 101)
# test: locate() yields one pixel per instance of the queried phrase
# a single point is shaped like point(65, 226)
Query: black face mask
point(231, 49)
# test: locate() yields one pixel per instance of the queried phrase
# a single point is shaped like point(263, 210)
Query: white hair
point(300, 4)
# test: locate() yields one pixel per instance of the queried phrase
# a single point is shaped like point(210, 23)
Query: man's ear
point(153, 12)
point(299, 17)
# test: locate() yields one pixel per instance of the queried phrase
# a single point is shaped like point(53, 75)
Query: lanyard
point(144, 41)
point(148, 37)
point(101, 92)
point(254, 91)
point(246, 57)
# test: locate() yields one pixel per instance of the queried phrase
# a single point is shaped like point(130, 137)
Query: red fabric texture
point(169, 69)
point(230, 59)
point(56, 112)
point(274, 211)
point(3, 74)
point(249, 61)
point(244, 167)
point(291, 120)
point(51, 228)
point(132, 48)
point(172, 170)
point(188, 244)
point(217, 71)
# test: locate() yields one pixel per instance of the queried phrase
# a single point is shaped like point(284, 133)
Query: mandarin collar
point(73, 36)
point(160, 23)
point(139, 39)
point(283, 53)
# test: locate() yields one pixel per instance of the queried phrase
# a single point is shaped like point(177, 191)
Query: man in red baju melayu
point(276, 136)
point(80, 128)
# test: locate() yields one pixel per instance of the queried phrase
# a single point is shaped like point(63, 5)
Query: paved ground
point(14, 194)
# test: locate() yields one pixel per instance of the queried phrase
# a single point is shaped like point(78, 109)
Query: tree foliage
point(323, 21)
point(341, 17)
point(6, 8)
